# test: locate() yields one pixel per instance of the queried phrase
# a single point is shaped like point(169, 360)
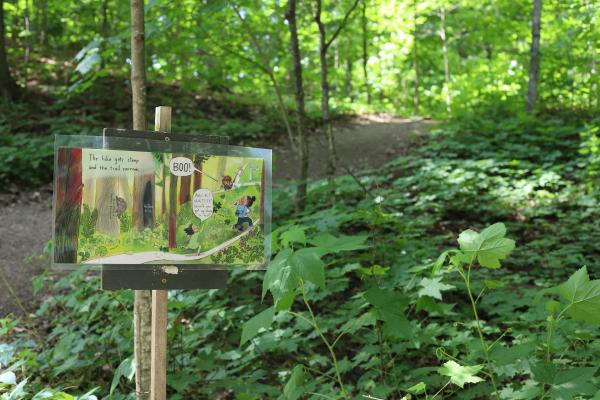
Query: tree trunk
point(104, 31)
point(138, 67)
point(300, 109)
point(142, 308)
point(415, 61)
point(323, 47)
point(197, 175)
point(349, 87)
point(143, 201)
point(184, 189)
point(44, 27)
point(365, 54)
point(8, 88)
point(446, 61)
point(332, 155)
point(106, 201)
point(68, 204)
point(173, 211)
point(534, 62)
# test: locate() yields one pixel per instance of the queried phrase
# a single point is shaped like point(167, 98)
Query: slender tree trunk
point(104, 31)
point(534, 61)
point(349, 65)
point(8, 88)
point(415, 61)
point(44, 23)
point(332, 154)
point(365, 50)
point(142, 309)
point(27, 24)
point(446, 61)
point(301, 136)
point(324, 45)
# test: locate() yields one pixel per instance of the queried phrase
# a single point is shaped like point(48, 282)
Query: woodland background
point(356, 304)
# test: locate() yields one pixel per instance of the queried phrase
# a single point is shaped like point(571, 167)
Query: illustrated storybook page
point(127, 201)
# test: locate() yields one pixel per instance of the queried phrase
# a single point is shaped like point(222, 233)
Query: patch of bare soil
point(365, 141)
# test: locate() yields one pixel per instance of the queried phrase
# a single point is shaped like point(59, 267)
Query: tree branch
point(342, 24)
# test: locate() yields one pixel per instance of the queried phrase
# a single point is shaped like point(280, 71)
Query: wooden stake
point(158, 380)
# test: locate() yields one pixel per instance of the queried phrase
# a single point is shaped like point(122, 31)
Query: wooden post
point(158, 366)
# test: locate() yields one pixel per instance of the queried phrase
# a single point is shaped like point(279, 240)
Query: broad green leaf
point(374, 270)
point(488, 247)
point(583, 297)
point(493, 284)
point(279, 278)
point(573, 383)
point(355, 324)
point(389, 307)
point(293, 387)
point(260, 321)
point(285, 302)
point(433, 287)
point(293, 235)
point(328, 243)
point(308, 265)
point(505, 355)
point(418, 388)
point(126, 369)
point(459, 374)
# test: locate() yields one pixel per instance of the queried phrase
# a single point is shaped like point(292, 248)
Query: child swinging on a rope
point(242, 212)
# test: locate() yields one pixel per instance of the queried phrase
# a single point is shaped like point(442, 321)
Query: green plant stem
point(486, 353)
point(325, 341)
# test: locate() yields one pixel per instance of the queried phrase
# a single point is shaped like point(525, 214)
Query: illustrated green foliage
point(88, 221)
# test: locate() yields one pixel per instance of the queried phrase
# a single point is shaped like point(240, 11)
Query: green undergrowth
point(27, 128)
point(408, 288)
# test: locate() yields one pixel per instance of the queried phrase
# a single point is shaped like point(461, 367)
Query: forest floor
point(365, 141)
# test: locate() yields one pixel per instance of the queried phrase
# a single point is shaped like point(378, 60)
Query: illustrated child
point(227, 183)
point(242, 212)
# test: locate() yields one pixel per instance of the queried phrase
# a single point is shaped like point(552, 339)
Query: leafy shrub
point(88, 221)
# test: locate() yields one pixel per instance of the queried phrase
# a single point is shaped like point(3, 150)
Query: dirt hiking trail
point(26, 217)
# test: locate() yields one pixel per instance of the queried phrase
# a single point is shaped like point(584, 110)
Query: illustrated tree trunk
point(300, 107)
point(143, 201)
point(324, 45)
point(534, 61)
point(184, 189)
point(365, 54)
point(142, 308)
point(106, 203)
point(68, 204)
point(415, 61)
point(8, 87)
point(197, 175)
point(89, 193)
point(445, 57)
point(172, 211)
point(163, 203)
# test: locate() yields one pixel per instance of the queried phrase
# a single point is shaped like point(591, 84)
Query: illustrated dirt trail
point(26, 225)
